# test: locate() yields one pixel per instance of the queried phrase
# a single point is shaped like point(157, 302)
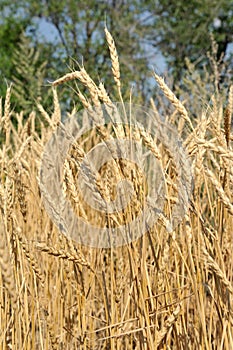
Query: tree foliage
point(184, 30)
point(29, 77)
point(12, 27)
point(141, 28)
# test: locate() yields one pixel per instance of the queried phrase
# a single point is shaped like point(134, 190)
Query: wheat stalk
point(114, 57)
point(220, 190)
point(214, 266)
point(77, 258)
point(29, 256)
point(7, 115)
point(6, 264)
point(56, 116)
point(68, 77)
point(168, 325)
point(173, 99)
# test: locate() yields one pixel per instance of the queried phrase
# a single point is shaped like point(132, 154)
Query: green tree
point(177, 28)
point(31, 71)
point(79, 35)
point(11, 28)
point(183, 30)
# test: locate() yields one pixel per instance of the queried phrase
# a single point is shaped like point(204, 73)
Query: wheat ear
point(7, 115)
point(56, 117)
point(173, 99)
point(77, 258)
point(29, 256)
point(114, 57)
point(66, 78)
point(227, 125)
point(225, 199)
point(168, 324)
point(1, 115)
point(213, 265)
point(6, 265)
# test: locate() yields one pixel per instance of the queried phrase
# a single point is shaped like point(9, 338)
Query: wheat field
point(165, 290)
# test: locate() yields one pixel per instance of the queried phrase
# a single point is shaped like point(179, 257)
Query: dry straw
point(6, 267)
point(168, 325)
point(146, 295)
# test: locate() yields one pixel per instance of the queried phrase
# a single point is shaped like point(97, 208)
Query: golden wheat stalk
point(1, 115)
point(173, 99)
point(85, 79)
point(168, 325)
point(6, 267)
point(66, 78)
point(77, 258)
point(29, 256)
point(218, 187)
point(114, 57)
point(227, 125)
point(56, 116)
point(83, 100)
point(7, 115)
point(103, 95)
point(45, 115)
point(214, 266)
